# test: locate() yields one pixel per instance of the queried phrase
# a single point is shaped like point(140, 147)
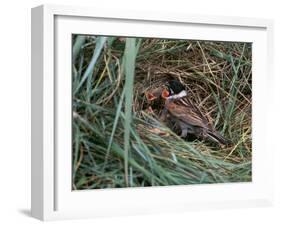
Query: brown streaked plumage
point(188, 116)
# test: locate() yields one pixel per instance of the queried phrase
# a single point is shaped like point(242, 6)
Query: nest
point(219, 79)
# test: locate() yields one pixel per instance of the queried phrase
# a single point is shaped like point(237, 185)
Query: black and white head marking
point(176, 90)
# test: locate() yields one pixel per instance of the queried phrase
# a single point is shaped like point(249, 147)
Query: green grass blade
point(129, 67)
point(116, 139)
point(118, 112)
point(89, 71)
point(79, 41)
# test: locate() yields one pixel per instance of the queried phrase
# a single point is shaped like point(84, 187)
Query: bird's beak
point(150, 96)
point(165, 94)
point(153, 94)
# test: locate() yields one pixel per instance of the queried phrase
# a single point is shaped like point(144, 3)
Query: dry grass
point(111, 151)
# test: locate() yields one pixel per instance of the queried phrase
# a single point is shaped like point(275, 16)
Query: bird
point(187, 115)
point(153, 93)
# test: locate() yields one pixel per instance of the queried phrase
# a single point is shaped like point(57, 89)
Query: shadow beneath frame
point(25, 212)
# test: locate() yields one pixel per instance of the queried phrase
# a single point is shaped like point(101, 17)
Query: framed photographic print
point(142, 112)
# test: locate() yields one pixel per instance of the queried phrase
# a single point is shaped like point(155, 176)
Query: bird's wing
point(187, 103)
point(186, 114)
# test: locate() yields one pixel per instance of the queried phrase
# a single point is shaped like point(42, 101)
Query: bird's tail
point(217, 137)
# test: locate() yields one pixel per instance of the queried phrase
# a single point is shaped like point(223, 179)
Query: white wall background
point(15, 112)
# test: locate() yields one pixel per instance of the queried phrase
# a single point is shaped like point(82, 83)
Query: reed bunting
point(187, 115)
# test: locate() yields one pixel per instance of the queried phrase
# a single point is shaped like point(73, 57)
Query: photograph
point(152, 111)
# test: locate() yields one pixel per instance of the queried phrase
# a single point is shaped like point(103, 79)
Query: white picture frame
point(52, 197)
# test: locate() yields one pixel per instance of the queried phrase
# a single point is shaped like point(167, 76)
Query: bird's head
point(174, 90)
point(153, 94)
